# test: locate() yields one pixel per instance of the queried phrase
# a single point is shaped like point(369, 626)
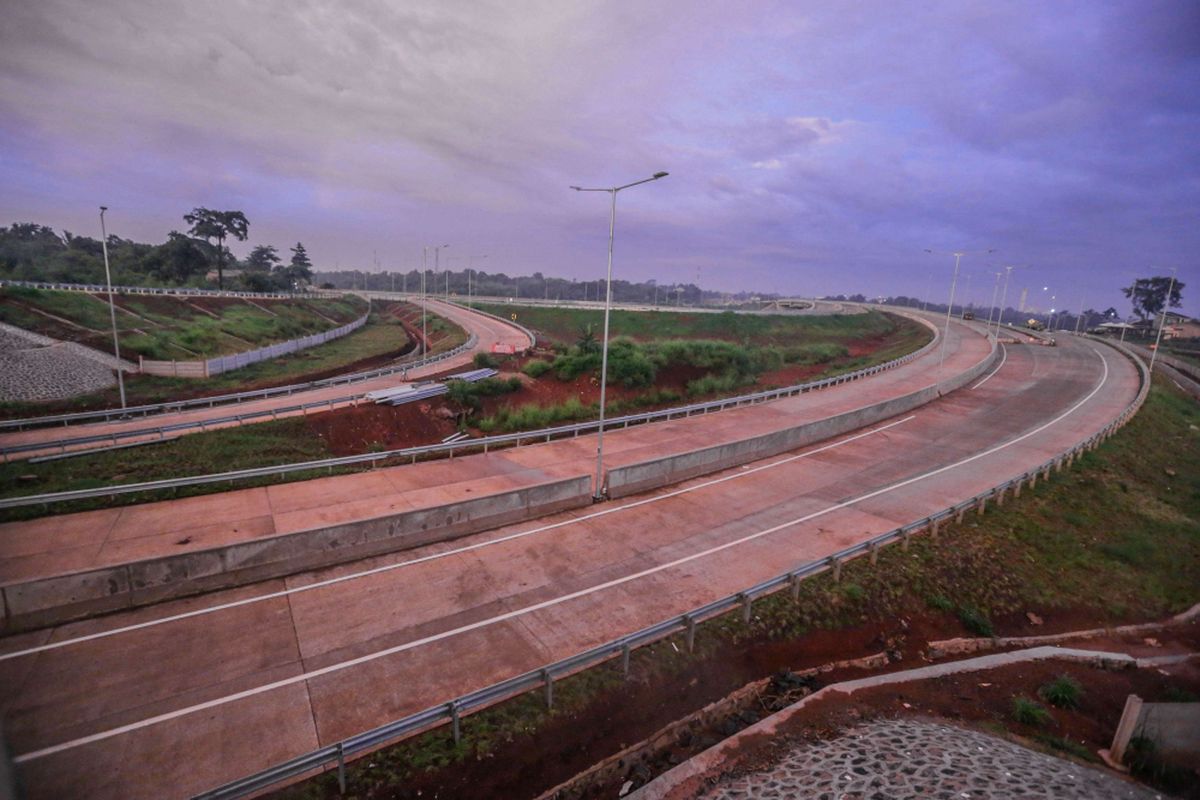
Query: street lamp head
point(577, 188)
point(103, 209)
point(658, 175)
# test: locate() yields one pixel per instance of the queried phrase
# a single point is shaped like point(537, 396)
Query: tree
point(262, 258)
point(177, 260)
point(208, 224)
point(300, 269)
point(1149, 295)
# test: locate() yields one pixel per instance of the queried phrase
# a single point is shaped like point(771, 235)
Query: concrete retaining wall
point(53, 600)
point(659, 472)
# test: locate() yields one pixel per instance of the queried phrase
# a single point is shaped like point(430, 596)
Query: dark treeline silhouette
point(536, 286)
point(32, 252)
point(1063, 320)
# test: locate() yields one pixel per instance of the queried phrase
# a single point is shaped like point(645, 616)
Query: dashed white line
point(220, 701)
point(445, 554)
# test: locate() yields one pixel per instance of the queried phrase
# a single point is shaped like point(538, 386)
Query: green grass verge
point(561, 326)
point(381, 335)
point(1051, 549)
point(174, 327)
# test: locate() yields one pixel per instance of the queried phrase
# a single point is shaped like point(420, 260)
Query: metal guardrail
point(413, 453)
point(452, 711)
point(273, 413)
point(107, 415)
point(212, 401)
point(178, 291)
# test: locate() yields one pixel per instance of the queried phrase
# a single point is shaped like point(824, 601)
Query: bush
point(814, 353)
point(536, 369)
point(1027, 712)
point(485, 361)
point(630, 365)
point(572, 364)
point(530, 416)
point(940, 602)
point(975, 621)
point(1062, 692)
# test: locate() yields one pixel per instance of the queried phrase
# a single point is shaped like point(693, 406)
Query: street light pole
point(424, 327)
point(949, 309)
point(1161, 324)
point(112, 312)
point(992, 308)
point(1003, 300)
point(612, 227)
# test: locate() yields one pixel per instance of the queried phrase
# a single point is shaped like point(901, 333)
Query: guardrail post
point(835, 564)
point(341, 753)
point(982, 505)
point(747, 601)
point(1033, 480)
point(958, 515)
point(1000, 496)
point(934, 525)
point(905, 535)
point(691, 632)
point(795, 581)
point(454, 723)
point(549, 688)
point(625, 661)
point(873, 553)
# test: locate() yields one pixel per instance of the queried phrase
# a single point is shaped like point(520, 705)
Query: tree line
point(32, 252)
point(536, 286)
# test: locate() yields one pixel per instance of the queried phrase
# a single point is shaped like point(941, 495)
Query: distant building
point(1178, 326)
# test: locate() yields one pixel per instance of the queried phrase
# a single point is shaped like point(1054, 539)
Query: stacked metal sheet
point(472, 375)
point(406, 394)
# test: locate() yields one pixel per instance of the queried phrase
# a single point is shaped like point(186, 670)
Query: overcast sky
point(813, 147)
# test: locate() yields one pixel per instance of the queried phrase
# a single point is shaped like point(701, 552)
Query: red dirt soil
point(350, 431)
point(566, 744)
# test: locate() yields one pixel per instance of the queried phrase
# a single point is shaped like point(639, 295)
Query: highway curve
point(488, 330)
point(162, 710)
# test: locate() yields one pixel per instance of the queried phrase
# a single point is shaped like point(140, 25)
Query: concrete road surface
point(166, 710)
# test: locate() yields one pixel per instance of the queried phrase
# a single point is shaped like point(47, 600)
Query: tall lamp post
point(112, 312)
point(1003, 298)
point(471, 274)
point(950, 308)
point(1161, 324)
point(612, 223)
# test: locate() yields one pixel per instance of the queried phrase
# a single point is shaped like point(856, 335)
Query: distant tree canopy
point(208, 224)
point(1149, 295)
point(32, 252)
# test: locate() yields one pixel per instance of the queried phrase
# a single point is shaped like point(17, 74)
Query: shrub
point(628, 364)
point(536, 369)
point(1062, 692)
point(1028, 712)
point(975, 621)
point(572, 364)
point(485, 361)
point(940, 602)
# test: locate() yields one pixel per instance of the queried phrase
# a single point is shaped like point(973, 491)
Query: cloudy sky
point(814, 147)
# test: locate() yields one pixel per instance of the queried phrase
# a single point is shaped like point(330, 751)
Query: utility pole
point(112, 313)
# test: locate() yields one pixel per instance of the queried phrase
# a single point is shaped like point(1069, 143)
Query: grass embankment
point(1116, 538)
point(180, 328)
point(561, 326)
point(719, 355)
point(382, 338)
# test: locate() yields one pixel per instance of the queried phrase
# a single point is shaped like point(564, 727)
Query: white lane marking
point(447, 553)
point(1004, 350)
point(305, 676)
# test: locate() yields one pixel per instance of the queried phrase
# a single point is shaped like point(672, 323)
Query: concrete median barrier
point(655, 473)
point(52, 600)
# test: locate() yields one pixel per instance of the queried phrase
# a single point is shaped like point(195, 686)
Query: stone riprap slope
point(913, 759)
point(34, 367)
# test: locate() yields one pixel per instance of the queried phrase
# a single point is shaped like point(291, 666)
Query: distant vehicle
point(1035, 325)
point(968, 315)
